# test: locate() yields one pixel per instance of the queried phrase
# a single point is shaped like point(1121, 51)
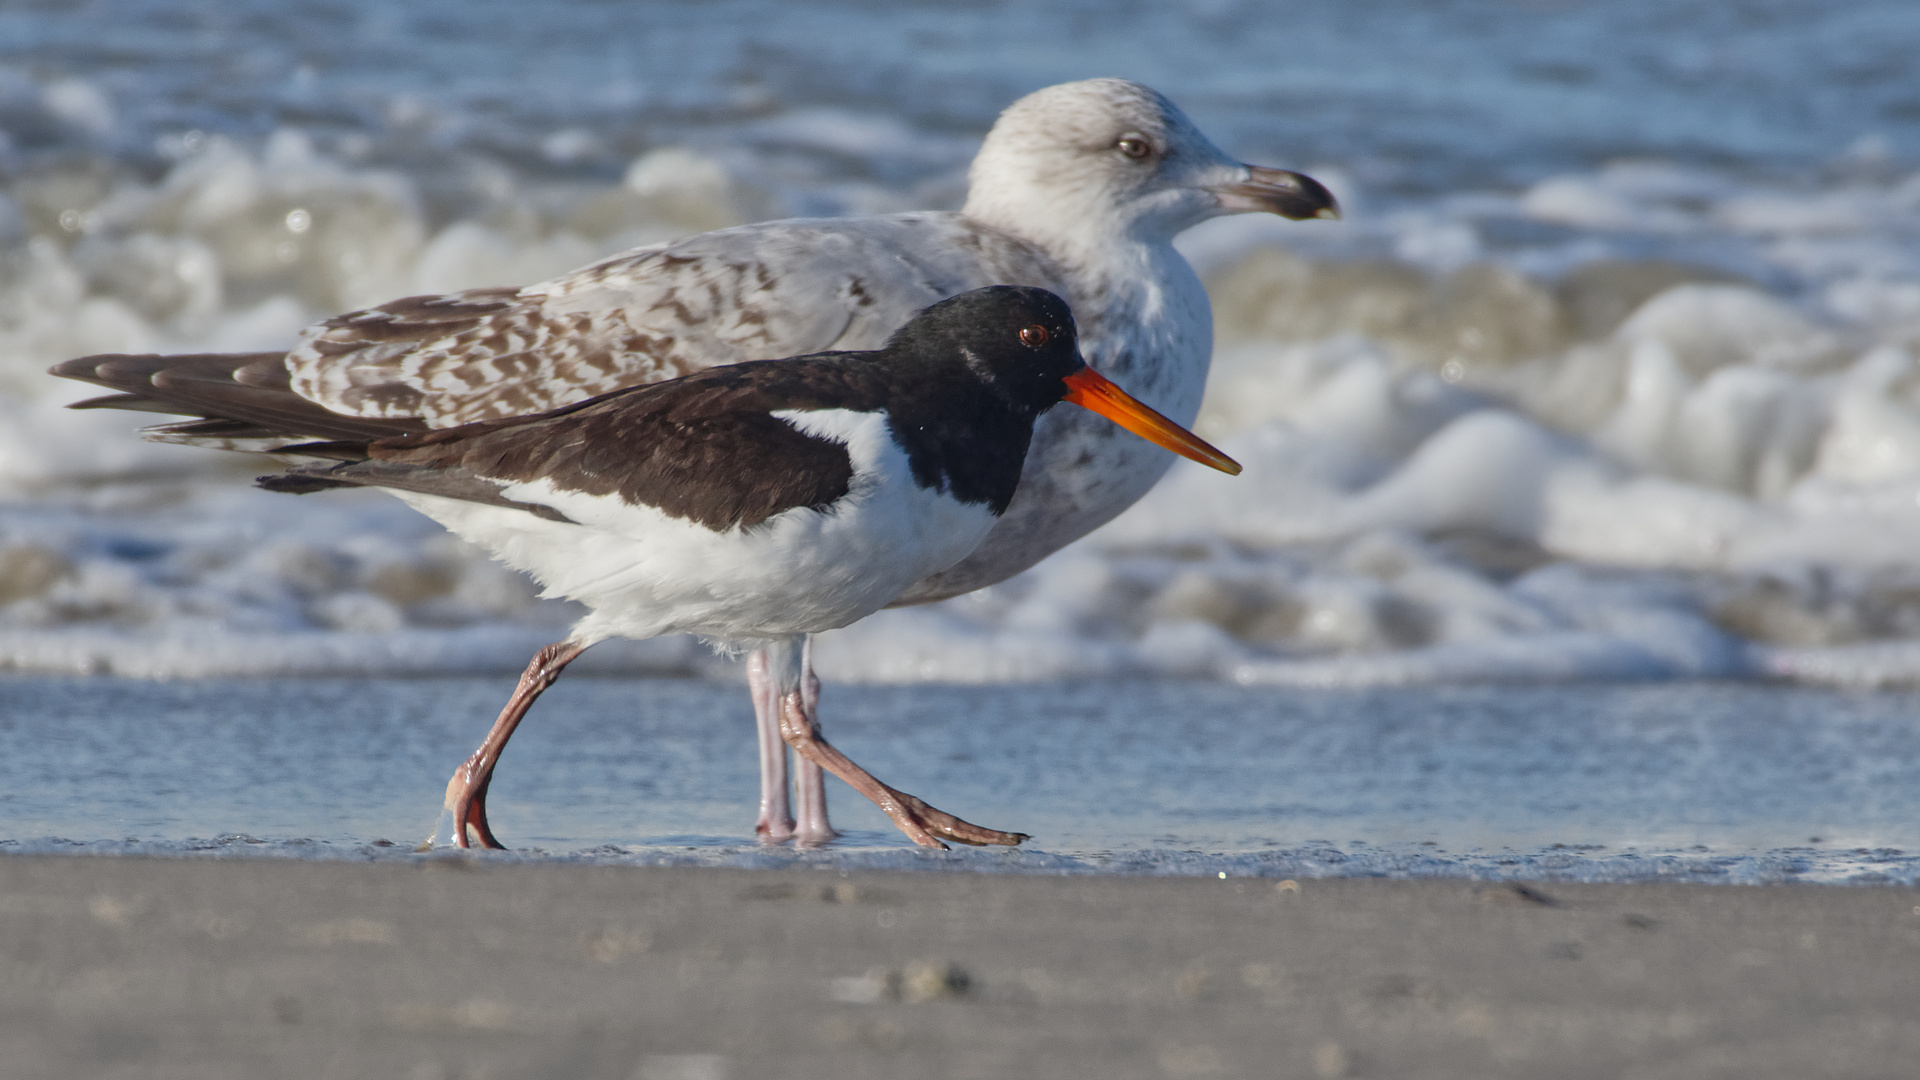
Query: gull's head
point(1112, 157)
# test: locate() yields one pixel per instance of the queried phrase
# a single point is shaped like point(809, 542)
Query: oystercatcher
point(750, 504)
point(1079, 188)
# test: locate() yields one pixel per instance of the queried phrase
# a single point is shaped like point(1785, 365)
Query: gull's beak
point(1277, 191)
point(1089, 389)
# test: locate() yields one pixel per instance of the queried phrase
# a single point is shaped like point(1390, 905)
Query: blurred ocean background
point(1609, 374)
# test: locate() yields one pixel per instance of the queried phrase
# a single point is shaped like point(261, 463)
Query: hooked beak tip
point(1292, 195)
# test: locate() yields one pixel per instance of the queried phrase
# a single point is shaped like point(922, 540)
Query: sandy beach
point(459, 967)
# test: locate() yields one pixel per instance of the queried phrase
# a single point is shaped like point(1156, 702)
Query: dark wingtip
point(88, 369)
point(298, 483)
point(78, 368)
point(128, 402)
point(348, 450)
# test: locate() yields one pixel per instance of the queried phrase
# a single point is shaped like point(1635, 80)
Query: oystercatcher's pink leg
point(923, 824)
point(776, 814)
point(467, 791)
point(809, 780)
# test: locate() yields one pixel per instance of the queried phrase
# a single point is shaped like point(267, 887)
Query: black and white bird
point(1079, 189)
point(750, 504)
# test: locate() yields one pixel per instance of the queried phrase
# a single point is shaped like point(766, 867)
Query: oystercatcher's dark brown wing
point(707, 448)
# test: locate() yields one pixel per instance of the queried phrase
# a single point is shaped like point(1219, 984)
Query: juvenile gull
point(1078, 188)
point(751, 504)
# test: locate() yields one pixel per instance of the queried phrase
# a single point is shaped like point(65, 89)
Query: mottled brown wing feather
point(758, 292)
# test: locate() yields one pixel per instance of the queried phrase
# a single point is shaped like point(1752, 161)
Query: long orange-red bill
point(1089, 389)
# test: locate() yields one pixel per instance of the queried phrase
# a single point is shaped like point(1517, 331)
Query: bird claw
point(475, 832)
point(939, 823)
point(770, 832)
point(467, 804)
point(923, 824)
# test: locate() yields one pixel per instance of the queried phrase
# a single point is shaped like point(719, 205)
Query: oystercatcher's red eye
point(1033, 336)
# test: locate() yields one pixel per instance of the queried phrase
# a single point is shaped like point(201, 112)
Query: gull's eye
point(1033, 336)
point(1134, 146)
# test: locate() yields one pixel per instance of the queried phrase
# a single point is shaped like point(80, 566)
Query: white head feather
point(1057, 169)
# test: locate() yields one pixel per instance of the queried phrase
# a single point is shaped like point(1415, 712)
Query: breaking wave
point(1644, 419)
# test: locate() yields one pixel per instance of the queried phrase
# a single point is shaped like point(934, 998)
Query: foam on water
point(1634, 399)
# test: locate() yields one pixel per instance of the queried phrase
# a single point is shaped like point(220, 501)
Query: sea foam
point(1645, 420)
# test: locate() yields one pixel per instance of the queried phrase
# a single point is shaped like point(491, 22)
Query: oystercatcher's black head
point(1018, 341)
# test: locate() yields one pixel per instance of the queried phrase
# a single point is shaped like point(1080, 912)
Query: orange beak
point(1089, 389)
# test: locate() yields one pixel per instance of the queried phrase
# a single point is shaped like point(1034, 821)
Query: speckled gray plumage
point(1051, 204)
point(1078, 189)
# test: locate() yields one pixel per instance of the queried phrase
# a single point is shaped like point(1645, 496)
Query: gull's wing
point(244, 400)
point(757, 292)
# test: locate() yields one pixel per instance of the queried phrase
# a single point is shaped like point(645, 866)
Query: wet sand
point(451, 967)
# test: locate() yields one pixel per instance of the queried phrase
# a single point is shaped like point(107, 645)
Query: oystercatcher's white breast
point(644, 572)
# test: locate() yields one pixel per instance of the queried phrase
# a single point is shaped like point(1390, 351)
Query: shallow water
point(1692, 781)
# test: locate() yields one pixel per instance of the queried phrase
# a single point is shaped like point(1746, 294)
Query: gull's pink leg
point(776, 815)
point(809, 780)
point(922, 823)
point(467, 791)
